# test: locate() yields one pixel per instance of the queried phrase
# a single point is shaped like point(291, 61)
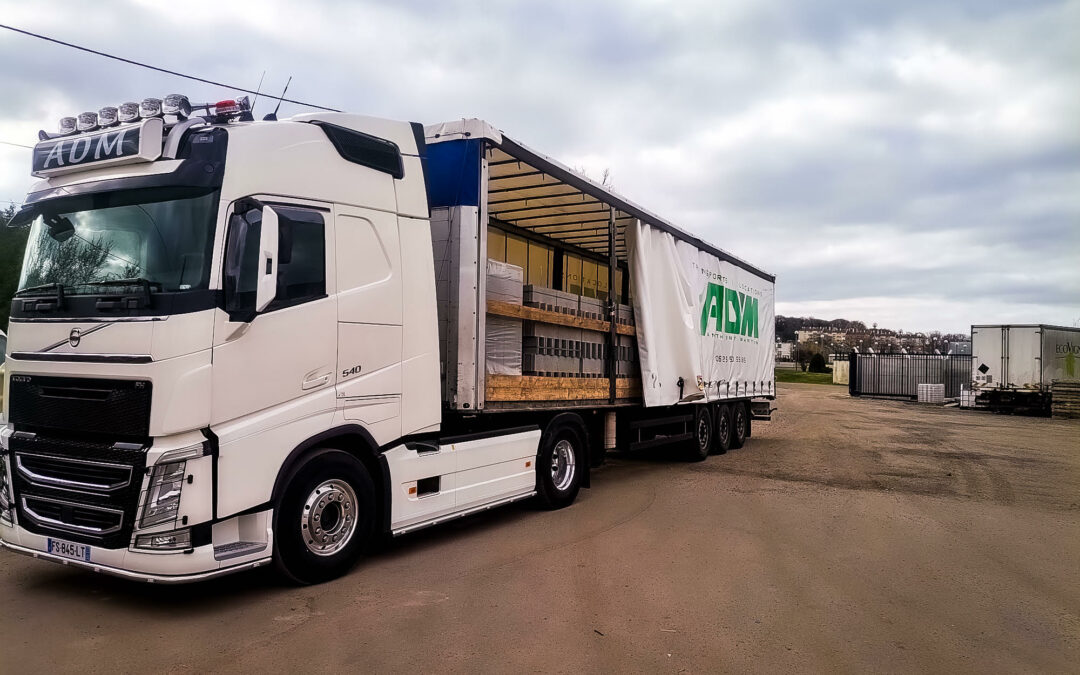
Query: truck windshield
point(162, 237)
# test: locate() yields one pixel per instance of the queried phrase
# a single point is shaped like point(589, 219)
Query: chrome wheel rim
point(563, 465)
point(328, 521)
point(703, 433)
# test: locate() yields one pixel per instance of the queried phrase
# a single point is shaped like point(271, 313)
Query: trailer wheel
point(560, 463)
point(740, 423)
point(723, 429)
point(702, 443)
point(325, 517)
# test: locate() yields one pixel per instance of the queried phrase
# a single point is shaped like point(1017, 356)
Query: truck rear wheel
point(723, 429)
point(325, 517)
point(740, 423)
point(702, 442)
point(559, 466)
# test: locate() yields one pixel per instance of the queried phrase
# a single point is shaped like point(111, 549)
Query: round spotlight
point(107, 116)
point(150, 107)
point(87, 121)
point(176, 104)
point(66, 126)
point(129, 112)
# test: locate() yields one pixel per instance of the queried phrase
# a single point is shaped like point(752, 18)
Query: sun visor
point(126, 144)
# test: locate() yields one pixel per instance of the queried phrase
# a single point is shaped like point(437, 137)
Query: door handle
point(315, 379)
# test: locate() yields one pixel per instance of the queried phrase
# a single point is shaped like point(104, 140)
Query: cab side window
point(301, 257)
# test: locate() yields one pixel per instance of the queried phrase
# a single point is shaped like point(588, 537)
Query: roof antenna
point(272, 117)
point(257, 90)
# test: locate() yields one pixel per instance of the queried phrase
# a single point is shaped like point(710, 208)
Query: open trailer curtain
point(699, 318)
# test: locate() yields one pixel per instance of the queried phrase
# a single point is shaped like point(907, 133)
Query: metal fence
point(900, 374)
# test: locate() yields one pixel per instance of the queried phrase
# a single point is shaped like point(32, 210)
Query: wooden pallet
point(512, 311)
point(1065, 399)
point(513, 388)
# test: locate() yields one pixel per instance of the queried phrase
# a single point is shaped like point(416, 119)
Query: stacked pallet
point(1065, 399)
point(502, 335)
point(550, 350)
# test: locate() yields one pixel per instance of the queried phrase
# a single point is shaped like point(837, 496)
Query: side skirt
point(460, 514)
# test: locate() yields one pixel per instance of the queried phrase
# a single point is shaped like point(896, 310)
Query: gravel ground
point(847, 535)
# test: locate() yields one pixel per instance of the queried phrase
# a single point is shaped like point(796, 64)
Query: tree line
point(12, 246)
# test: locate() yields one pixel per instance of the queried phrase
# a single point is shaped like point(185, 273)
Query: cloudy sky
point(914, 164)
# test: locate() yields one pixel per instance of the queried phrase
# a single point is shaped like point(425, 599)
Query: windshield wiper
point(132, 281)
point(126, 301)
point(43, 304)
point(40, 287)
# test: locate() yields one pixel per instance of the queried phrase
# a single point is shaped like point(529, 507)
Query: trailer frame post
point(613, 336)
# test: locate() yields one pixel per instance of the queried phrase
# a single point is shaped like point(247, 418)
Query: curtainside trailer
point(241, 342)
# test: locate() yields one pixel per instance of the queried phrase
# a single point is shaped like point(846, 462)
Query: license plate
point(69, 550)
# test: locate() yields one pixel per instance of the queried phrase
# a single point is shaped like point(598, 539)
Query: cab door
point(281, 359)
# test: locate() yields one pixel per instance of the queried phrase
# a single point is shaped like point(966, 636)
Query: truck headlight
point(166, 482)
point(163, 497)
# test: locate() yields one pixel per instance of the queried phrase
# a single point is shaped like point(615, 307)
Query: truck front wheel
point(559, 467)
point(324, 518)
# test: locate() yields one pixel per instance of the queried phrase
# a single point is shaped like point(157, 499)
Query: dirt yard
point(849, 535)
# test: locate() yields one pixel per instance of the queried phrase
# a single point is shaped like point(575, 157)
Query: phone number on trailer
point(730, 359)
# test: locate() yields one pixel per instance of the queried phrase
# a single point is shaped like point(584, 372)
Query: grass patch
point(805, 378)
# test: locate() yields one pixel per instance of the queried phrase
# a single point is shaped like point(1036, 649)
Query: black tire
point(323, 476)
point(740, 423)
point(701, 444)
point(554, 489)
point(723, 429)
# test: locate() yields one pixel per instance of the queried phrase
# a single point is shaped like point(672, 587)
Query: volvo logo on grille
point(74, 337)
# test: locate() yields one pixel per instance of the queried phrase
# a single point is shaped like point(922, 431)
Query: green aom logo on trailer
point(729, 311)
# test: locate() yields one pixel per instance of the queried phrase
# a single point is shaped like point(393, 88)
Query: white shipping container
point(1023, 357)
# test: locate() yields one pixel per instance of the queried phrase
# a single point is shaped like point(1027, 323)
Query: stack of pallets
point(502, 335)
point(1065, 399)
point(560, 351)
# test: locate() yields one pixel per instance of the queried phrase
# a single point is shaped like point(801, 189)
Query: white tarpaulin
point(699, 318)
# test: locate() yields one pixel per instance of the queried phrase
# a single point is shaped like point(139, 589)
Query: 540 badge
point(349, 372)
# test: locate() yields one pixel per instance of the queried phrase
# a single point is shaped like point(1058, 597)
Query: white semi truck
point(241, 342)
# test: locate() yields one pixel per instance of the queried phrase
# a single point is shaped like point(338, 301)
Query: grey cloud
point(870, 132)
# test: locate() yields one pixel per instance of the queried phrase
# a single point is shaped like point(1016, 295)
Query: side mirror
point(266, 288)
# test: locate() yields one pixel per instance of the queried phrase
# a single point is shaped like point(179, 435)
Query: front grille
point(118, 409)
point(72, 517)
point(81, 491)
point(71, 473)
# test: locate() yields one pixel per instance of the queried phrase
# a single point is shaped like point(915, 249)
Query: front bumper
point(151, 567)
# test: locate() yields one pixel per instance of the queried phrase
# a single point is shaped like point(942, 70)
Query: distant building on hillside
point(963, 347)
point(785, 351)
